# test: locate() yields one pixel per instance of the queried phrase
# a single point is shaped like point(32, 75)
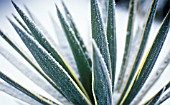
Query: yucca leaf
point(65, 84)
point(76, 32)
point(25, 70)
point(164, 98)
point(129, 37)
point(13, 92)
point(47, 99)
point(23, 26)
point(111, 37)
point(104, 6)
point(63, 46)
point(36, 21)
point(133, 52)
point(27, 59)
point(148, 62)
point(98, 33)
point(24, 90)
point(79, 55)
point(156, 97)
point(153, 79)
point(101, 80)
point(42, 40)
point(142, 45)
point(30, 14)
point(40, 26)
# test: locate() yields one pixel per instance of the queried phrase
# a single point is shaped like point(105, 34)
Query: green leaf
point(98, 33)
point(27, 59)
point(111, 38)
point(40, 26)
point(64, 46)
point(24, 90)
point(154, 77)
point(65, 84)
point(129, 37)
point(43, 41)
point(32, 16)
point(164, 98)
point(149, 61)
point(25, 70)
point(142, 46)
point(23, 26)
point(79, 55)
point(76, 32)
point(15, 93)
point(156, 97)
point(103, 5)
point(101, 80)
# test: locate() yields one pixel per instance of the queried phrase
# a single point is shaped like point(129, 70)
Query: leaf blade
point(164, 98)
point(101, 80)
point(148, 63)
point(25, 70)
point(98, 33)
point(76, 32)
point(22, 89)
point(23, 26)
point(155, 98)
point(53, 69)
point(142, 46)
point(39, 36)
point(12, 91)
point(27, 59)
point(129, 37)
point(111, 38)
point(79, 56)
point(157, 74)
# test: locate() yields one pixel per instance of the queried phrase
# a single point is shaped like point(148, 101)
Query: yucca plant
point(95, 81)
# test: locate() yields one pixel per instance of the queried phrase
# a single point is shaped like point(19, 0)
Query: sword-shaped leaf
point(102, 89)
point(164, 98)
point(41, 27)
point(13, 92)
point(23, 26)
point(98, 33)
point(156, 97)
point(39, 36)
point(27, 59)
point(65, 84)
point(76, 32)
point(157, 74)
point(24, 90)
point(104, 6)
point(142, 46)
point(111, 38)
point(25, 70)
point(149, 61)
point(79, 55)
point(129, 37)
point(64, 46)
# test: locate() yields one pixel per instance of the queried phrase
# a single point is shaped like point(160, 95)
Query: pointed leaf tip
point(10, 21)
point(14, 4)
point(56, 7)
point(98, 33)
point(54, 70)
point(1, 33)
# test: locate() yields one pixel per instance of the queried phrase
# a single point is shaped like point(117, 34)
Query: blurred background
point(162, 9)
point(80, 10)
